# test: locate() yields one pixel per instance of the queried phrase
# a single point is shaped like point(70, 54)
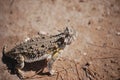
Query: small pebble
point(84, 53)
point(118, 33)
point(98, 28)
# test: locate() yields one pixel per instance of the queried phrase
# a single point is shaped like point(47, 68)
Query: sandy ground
point(94, 55)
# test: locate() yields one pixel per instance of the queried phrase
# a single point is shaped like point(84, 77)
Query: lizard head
point(70, 35)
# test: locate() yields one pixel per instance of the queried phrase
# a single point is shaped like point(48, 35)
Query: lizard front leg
point(51, 60)
point(19, 66)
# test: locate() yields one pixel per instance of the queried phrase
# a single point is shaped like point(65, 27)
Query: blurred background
point(94, 55)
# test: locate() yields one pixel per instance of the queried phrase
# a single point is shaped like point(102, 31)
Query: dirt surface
point(94, 55)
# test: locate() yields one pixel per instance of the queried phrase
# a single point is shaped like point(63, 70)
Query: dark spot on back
point(31, 47)
point(43, 37)
point(42, 46)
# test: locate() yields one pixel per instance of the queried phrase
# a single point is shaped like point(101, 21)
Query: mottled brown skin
point(40, 48)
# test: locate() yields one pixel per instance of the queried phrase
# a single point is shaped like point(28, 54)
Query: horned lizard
point(39, 48)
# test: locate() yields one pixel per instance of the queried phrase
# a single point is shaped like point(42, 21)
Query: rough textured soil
point(94, 55)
